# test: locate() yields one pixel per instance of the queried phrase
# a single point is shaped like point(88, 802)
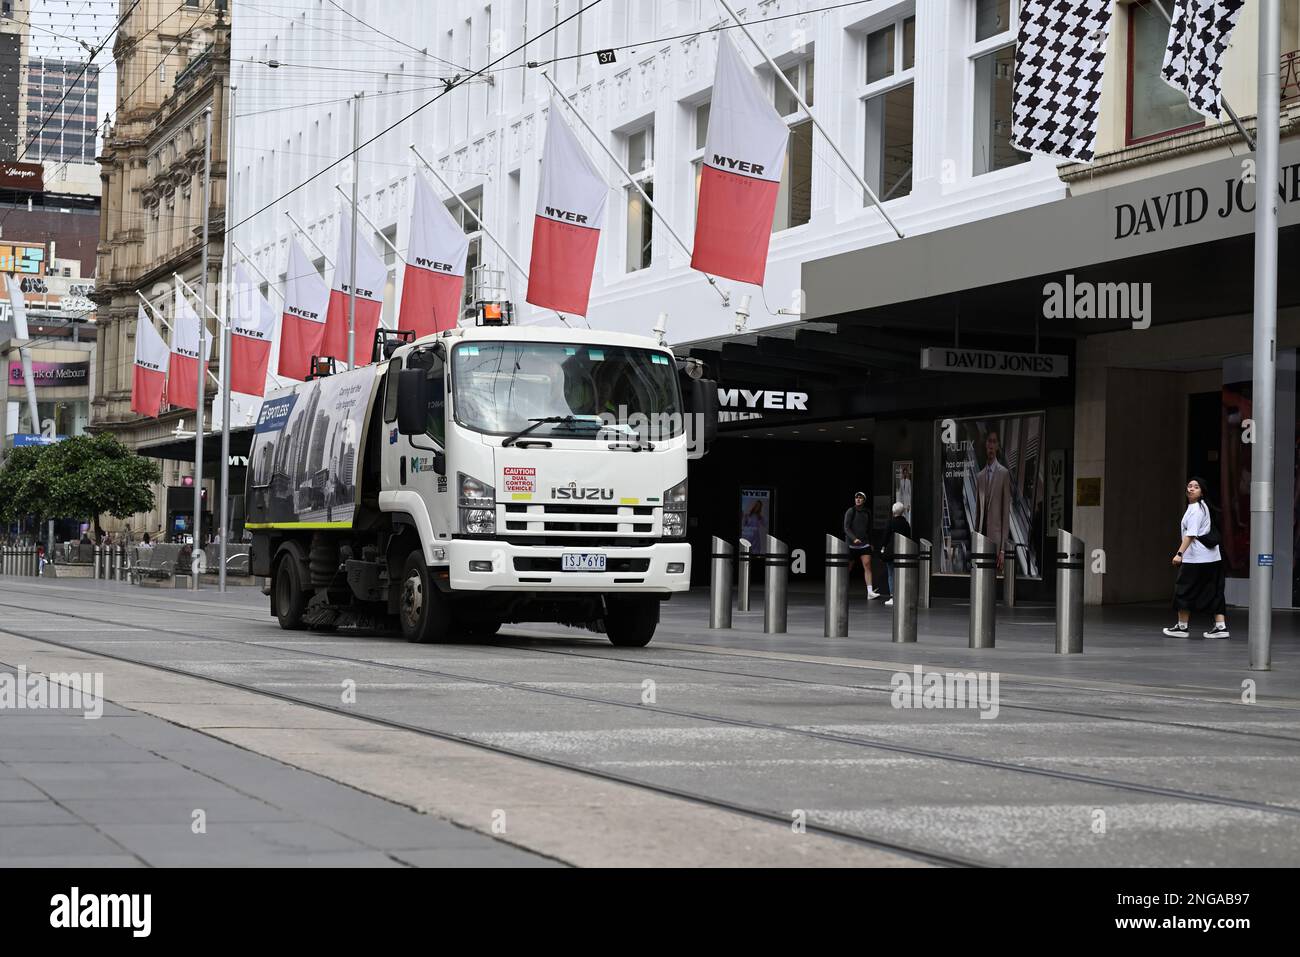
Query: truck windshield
point(600, 391)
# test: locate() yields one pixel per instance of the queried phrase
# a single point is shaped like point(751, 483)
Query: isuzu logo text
point(572, 490)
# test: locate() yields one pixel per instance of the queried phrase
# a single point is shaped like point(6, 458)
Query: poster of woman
point(755, 516)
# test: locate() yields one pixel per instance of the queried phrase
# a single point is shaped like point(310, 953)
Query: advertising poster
point(990, 480)
point(306, 451)
point(756, 516)
point(903, 490)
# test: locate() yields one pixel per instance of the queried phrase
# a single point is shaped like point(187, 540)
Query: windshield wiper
point(537, 423)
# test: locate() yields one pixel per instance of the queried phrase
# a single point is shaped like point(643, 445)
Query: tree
point(19, 494)
point(84, 475)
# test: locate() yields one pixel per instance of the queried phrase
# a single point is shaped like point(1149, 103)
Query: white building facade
point(917, 93)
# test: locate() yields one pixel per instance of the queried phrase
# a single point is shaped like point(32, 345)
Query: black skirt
point(1200, 588)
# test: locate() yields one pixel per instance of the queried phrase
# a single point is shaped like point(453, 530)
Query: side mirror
point(412, 401)
point(440, 463)
point(700, 396)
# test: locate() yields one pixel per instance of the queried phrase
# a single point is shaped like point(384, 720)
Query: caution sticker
point(520, 479)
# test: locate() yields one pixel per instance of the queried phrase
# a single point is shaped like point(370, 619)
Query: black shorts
point(859, 550)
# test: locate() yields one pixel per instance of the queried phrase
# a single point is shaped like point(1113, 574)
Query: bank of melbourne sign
point(50, 374)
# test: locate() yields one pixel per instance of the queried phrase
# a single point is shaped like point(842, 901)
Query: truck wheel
point(421, 609)
point(290, 599)
point(630, 620)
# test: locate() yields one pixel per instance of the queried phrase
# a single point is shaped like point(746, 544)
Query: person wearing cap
point(857, 534)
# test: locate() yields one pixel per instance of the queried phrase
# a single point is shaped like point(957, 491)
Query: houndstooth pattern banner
point(1059, 55)
point(1198, 36)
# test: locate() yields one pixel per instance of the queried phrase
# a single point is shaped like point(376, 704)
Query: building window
point(888, 100)
point(640, 219)
point(994, 59)
point(794, 199)
point(1155, 108)
point(474, 257)
point(700, 126)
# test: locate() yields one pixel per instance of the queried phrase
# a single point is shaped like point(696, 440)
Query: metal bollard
point(4, 561)
point(1069, 593)
point(906, 562)
point(923, 574)
point(720, 584)
point(776, 583)
point(837, 587)
point(742, 584)
point(115, 554)
point(94, 563)
point(35, 563)
point(1009, 577)
point(983, 591)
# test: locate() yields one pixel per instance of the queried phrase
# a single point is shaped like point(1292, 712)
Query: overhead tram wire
point(424, 53)
point(455, 84)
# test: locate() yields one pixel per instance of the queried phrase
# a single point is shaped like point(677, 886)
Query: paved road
point(1140, 752)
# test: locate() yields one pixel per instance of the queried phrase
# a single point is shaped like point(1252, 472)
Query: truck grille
point(615, 521)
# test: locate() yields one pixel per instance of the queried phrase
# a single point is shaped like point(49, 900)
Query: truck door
point(410, 462)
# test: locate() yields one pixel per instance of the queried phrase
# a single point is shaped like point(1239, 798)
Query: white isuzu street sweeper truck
point(482, 475)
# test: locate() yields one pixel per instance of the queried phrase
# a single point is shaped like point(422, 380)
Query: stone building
point(173, 66)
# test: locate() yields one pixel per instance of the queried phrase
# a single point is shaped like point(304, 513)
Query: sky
point(60, 27)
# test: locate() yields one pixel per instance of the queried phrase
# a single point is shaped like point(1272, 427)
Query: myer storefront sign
point(1037, 364)
point(736, 405)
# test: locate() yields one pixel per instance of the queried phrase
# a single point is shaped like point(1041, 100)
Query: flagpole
point(725, 294)
point(1264, 360)
point(203, 306)
point(781, 78)
point(352, 274)
point(486, 232)
point(369, 222)
point(226, 344)
point(198, 412)
point(307, 236)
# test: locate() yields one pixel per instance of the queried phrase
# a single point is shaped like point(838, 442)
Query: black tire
point(290, 599)
point(421, 610)
point(630, 620)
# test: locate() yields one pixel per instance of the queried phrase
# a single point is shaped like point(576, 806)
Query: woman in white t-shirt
point(1200, 567)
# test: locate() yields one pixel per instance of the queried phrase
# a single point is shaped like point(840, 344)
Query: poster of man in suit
point(991, 482)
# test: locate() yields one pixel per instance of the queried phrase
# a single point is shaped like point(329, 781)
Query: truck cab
point(489, 474)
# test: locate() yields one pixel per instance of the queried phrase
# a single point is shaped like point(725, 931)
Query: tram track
point(1177, 794)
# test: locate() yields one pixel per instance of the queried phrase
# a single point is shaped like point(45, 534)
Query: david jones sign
point(1041, 365)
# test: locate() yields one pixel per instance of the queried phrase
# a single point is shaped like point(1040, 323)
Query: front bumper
point(535, 568)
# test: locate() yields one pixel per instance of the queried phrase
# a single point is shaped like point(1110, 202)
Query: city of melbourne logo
point(275, 414)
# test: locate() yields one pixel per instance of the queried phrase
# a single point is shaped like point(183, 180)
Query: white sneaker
point(1220, 630)
point(889, 602)
point(1177, 631)
point(872, 594)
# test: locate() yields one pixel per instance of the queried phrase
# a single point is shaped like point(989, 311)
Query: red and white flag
point(570, 213)
point(743, 155)
point(434, 280)
point(149, 377)
point(252, 333)
point(183, 371)
point(371, 276)
point(302, 325)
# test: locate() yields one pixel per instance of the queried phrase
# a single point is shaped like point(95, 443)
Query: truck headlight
point(477, 501)
point(471, 492)
point(675, 511)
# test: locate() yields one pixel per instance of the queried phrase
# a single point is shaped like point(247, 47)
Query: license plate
point(582, 562)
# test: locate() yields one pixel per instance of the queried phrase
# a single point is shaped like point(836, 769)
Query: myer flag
point(743, 155)
point(252, 331)
point(302, 326)
point(150, 373)
point(371, 276)
point(435, 266)
point(183, 372)
point(570, 213)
